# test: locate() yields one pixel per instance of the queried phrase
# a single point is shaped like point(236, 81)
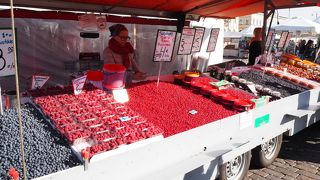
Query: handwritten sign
point(269, 39)
point(186, 41)
point(7, 67)
point(101, 22)
point(213, 39)
point(283, 39)
point(164, 46)
point(38, 81)
point(198, 37)
point(78, 84)
point(288, 40)
point(273, 38)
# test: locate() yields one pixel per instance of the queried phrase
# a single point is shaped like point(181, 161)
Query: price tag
point(245, 120)
point(164, 46)
point(78, 84)
point(38, 81)
point(213, 39)
point(198, 37)
point(186, 41)
point(193, 112)
point(7, 67)
point(101, 22)
point(269, 39)
point(120, 95)
point(283, 39)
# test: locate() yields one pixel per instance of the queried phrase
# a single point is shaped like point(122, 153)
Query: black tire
point(240, 173)
point(263, 157)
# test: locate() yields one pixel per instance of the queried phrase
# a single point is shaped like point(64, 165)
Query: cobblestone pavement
point(299, 158)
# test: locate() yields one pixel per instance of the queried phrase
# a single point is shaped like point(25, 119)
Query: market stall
point(182, 126)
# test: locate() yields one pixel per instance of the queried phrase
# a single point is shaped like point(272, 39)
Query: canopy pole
point(265, 16)
point(24, 168)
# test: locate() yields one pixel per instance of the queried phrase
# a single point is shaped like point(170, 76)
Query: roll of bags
point(114, 76)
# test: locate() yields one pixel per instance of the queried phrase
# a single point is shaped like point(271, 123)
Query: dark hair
point(116, 29)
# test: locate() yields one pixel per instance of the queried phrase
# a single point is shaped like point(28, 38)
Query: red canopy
point(166, 8)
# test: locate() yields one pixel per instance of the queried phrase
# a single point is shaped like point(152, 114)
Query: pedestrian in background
point(302, 49)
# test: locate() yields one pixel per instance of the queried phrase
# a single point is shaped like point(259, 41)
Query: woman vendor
point(120, 51)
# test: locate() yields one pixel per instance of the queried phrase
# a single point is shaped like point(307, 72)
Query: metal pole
point(24, 167)
point(264, 26)
point(159, 74)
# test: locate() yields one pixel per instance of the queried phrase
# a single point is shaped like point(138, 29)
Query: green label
point(260, 121)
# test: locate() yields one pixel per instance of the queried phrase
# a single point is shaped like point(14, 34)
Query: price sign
point(78, 84)
point(269, 39)
point(7, 67)
point(164, 46)
point(283, 39)
point(198, 37)
point(213, 39)
point(186, 41)
point(288, 39)
point(38, 81)
point(273, 38)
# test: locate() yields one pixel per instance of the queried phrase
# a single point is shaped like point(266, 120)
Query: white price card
point(186, 41)
point(38, 81)
point(120, 95)
point(283, 39)
point(78, 84)
point(164, 46)
point(198, 37)
point(7, 67)
point(246, 119)
point(213, 39)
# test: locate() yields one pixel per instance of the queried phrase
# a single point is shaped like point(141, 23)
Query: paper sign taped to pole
point(78, 84)
point(7, 67)
point(38, 81)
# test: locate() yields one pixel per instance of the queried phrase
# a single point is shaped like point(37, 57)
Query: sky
point(308, 12)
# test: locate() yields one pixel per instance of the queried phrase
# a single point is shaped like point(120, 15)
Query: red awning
point(207, 8)
point(166, 8)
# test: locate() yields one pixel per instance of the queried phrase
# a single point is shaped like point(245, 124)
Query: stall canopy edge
point(165, 8)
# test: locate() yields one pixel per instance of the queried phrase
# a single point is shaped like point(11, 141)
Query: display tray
point(121, 149)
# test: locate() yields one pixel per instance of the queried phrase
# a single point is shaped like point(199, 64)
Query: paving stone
point(256, 177)
point(288, 178)
point(286, 166)
point(280, 160)
point(308, 168)
point(286, 172)
point(272, 166)
point(302, 177)
point(291, 162)
point(260, 173)
point(271, 177)
point(274, 173)
point(308, 174)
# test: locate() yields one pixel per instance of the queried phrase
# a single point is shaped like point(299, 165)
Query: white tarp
point(299, 24)
point(317, 20)
point(44, 46)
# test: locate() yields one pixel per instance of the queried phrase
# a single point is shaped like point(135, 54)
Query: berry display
point(46, 151)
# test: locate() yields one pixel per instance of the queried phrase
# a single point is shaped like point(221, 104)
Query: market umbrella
point(299, 24)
